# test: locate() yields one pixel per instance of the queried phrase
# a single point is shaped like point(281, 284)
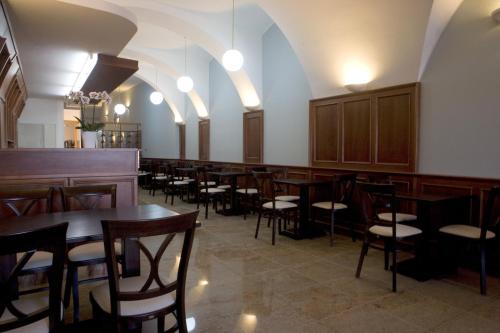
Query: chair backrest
point(379, 178)
point(370, 194)
point(50, 239)
point(88, 197)
point(343, 187)
point(202, 177)
point(491, 216)
point(154, 286)
point(265, 186)
point(20, 202)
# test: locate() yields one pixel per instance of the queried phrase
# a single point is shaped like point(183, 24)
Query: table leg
point(234, 183)
point(304, 212)
point(132, 259)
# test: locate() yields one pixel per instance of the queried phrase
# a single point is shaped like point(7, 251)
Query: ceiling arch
point(195, 98)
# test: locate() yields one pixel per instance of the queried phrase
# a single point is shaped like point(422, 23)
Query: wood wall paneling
point(378, 130)
point(182, 141)
point(253, 136)
point(204, 140)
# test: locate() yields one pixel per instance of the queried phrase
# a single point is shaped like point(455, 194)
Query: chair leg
point(394, 267)
point(161, 324)
point(274, 228)
point(332, 225)
point(206, 206)
point(244, 198)
point(482, 250)
point(258, 224)
point(76, 297)
point(181, 318)
point(69, 281)
point(364, 251)
point(386, 255)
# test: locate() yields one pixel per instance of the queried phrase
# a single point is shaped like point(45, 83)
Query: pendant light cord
point(232, 35)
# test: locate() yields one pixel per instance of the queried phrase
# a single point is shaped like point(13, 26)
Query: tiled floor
point(239, 284)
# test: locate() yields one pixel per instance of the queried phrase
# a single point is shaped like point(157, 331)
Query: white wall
point(460, 111)
point(286, 102)
point(41, 119)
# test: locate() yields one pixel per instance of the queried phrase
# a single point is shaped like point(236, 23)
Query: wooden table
point(233, 175)
point(305, 228)
point(85, 225)
point(433, 211)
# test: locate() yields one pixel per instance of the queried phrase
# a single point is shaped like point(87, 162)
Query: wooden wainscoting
point(204, 140)
point(182, 141)
point(373, 130)
point(253, 136)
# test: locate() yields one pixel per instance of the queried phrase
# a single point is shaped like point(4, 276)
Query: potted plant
point(89, 129)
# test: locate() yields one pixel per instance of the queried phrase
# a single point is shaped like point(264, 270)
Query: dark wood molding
point(253, 136)
point(204, 140)
point(371, 130)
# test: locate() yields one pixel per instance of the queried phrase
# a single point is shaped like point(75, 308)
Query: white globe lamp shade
point(185, 84)
point(120, 109)
point(232, 60)
point(156, 97)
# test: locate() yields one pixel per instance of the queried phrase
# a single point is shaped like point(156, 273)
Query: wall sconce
point(356, 87)
point(496, 15)
point(356, 77)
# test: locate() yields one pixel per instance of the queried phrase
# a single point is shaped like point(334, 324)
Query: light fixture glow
point(185, 84)
point(496, 15)
point(85, 72)
point(356, 73)
point(120, 109)
point(156, 97)
point(203, 282)
point(232, 60)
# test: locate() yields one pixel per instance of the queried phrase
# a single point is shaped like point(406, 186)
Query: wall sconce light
point(356, 77)
point(356, 87)
point(496, 15)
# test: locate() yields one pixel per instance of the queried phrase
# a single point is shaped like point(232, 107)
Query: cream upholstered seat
point(208, 183)
point(279, 205)
point(225, 187)
point(247, 191)
point(38, 260)
point(467, 231)
point(287, 198)
point(328, 205)
point(181, 182)
point(160, 177)
point(400, 217)
point(29, 304)
point(100, 294)
point(212, 190)
point(91, 251)
point(402, 231)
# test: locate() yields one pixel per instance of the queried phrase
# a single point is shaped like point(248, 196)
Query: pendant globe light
point(185, 83)
point(120, 108)
point(232, 60)
point(156, 97)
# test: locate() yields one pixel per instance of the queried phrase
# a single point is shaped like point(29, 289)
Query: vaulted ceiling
point(386, 42)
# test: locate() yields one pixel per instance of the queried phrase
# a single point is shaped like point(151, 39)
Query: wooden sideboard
point(32, 168)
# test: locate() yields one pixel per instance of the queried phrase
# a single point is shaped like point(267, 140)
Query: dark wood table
point(433, 211)
point(233, 175)
point(85, 225)
point(306, 230)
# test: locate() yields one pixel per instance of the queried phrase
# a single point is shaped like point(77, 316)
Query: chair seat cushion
point(225, 187)
point(212, 190)
point(247, 191)
point(287, 197)
point(400, 217)
point(279, 205)
point(29, 304)
point(209, 183)
point(90, 251)
point(131, 308)
point(160, 178)
point(466, 231)
point(180, 182)
point(328, 205)
point(38, 260)
point(402, 231)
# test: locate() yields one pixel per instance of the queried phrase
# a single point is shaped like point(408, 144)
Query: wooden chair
point(269, 205)
point(90, 253)
point(342, 190)
point(22, 202)
point(159, 178)
point(282, 194)
point(115, 302)
point(480, 235)
point(207, 192)
point(249, 193)
point(35, 312)
point(389, 232)
point(175, 185)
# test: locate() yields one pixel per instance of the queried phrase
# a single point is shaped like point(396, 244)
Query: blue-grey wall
point(286, 95)
point(226, 117)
